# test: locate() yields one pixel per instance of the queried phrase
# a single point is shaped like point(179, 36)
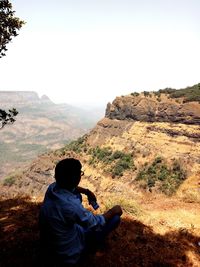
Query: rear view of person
point(68, 231)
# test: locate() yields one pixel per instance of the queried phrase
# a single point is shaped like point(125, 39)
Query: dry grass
point(128, 205)
point(191, 195)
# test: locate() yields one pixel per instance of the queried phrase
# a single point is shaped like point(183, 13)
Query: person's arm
point(115, 210)
point(82, 190)
point(90, 195)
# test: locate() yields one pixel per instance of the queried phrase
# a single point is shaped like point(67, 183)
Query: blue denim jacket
point(63, 221)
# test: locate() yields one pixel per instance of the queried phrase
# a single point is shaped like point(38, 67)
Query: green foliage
point(157, 93)
point(8, 181)
point(77, 146)
point(191, 93)
point(125, 162)
point(102, 154)
point(146, 93)
point(7, 117)
point(135, 94)
point(117, 154)
point(167, 179)
point(118, 160)
point(9, 25)
point(167, 90)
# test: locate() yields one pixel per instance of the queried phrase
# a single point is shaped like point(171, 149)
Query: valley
point(40, 126)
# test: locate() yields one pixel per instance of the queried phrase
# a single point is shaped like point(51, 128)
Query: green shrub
point(8, 181)
point(104, 154)
point(101, 154)
point(117, 154)
point(157, 93)
point(125, 162)
point(77, 146)
point(190, 93)
point(117, 170)
point(151, 181)
point(118, 160)
point(135, 94)
point(146, 93)
point(167, 90)
point(168, 179)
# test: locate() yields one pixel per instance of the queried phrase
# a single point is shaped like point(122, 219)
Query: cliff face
point(150, 109)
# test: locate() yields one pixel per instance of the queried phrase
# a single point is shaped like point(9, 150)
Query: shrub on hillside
point(117, 160)
point(135, 94)
point(190, 93)
point(146, 93)
point(166, 178)
point(8, 181)
point(77, 146)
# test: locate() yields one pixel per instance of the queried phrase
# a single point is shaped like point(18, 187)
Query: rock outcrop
point(151, 109)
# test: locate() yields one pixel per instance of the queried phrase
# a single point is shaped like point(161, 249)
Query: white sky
point(90, 51)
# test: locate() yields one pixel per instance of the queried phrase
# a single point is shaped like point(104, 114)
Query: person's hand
point(91, 196)
point(116, 210)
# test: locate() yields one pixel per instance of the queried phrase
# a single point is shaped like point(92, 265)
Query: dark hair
point(68, 173)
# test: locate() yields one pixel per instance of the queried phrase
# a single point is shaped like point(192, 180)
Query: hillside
point(41, 125)
point(147, 165)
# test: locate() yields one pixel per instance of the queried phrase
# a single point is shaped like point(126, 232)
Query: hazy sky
point(90, 51)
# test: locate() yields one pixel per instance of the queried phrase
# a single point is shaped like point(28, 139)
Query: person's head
point(68, 173)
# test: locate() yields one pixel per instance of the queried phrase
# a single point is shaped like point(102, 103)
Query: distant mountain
point(41, 125)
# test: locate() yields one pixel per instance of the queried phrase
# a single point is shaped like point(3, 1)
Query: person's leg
point(95, 239)
point(111, 225)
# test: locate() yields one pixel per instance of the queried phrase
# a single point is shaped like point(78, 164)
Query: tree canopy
point(9, 25)
point(7, 117)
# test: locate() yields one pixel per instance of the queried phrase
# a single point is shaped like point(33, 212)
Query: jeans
point(96, 239)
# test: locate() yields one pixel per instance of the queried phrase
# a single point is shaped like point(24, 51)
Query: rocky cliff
point(152, 109)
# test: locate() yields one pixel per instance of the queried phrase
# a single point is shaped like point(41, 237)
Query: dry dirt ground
point(158, 232)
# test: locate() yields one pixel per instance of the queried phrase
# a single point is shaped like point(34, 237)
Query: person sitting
point(68, 231)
